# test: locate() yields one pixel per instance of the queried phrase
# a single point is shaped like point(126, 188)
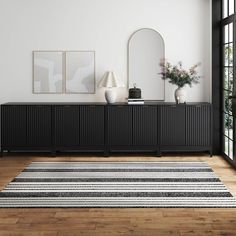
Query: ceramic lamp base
point(110, 96)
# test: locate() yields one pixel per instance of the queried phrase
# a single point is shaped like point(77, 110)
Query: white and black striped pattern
point(117, 184)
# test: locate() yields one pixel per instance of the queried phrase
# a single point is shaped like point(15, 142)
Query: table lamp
point(110, 80)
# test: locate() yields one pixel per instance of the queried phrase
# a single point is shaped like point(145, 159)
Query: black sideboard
point(98, 127)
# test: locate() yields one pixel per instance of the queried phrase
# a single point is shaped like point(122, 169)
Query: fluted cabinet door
point(66, 126)
point(173, 125)
point(198, 125)
point(145, 125)
point(39, 126)
point(13, 123)
point(120, 125)
point(92, 126)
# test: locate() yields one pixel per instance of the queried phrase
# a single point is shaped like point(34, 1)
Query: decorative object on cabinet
point(180, 77)
point(47, 72)
point(145, 49)
point(80, 72)
point(135, 101)
point(135, 93)
point(110, 80)
point(135, 97)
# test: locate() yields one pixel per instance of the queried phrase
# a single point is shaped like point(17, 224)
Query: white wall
point(104, 26)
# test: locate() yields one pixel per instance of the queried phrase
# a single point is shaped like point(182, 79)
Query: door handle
point(233, 96)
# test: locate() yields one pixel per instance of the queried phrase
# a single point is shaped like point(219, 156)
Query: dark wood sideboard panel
point(198, 125)
point(172, 125)
point(39, 127)
point(13, 127)
point(92, 127)
point(145, 126)
point(132, 128)
point(186, 128)
point(66, 127)
point(120, 126)
point(108, 128)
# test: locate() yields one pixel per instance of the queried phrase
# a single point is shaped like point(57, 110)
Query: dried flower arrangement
point(179, 76)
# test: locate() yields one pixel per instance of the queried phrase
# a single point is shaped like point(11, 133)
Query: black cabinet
point(198, 126)
point(132, 127)
point(26, 127)
point(120, 126)
point(66, 127)
point(173, 125)
point(107, 128)
point(92, 132)
point(186, 128)
point(38, 127)
point(145, 125)
point(13, 127)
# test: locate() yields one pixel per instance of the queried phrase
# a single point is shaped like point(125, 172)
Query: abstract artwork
point(47, 72)
point(80, 72)
point(63, 72)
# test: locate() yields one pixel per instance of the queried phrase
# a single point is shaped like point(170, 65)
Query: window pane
point(226, 130)
point(226, 85)
point(231, 149)
point(231, 32)
point(231, 7)
point(226, 146)
point(225, 8)
point(230, 54)
point(226, 54)
point(226, 101)
point(231, 136)
point(230, 103)
point(226, 33)
point(230, 82)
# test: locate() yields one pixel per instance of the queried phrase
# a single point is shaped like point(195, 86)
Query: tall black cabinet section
point(39, 127)
point(78, 127)
point(132, 128)
point(154, 127)
point(13, 127)
point(186, 128)
point(173, 125)
point(66, 127)
point(92, 127)
point(120, 127)
point(26, 127)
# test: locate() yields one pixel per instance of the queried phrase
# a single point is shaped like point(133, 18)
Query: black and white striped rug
point(117, 184)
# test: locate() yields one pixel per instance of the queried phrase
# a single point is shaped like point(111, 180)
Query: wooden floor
point(109, 222)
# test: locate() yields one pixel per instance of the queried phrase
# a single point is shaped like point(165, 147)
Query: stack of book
point(135, 101)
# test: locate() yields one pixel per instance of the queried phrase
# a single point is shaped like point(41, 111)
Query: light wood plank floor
point(110, 222)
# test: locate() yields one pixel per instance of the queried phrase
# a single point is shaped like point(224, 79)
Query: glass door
point(228, 64)
point(227, 88)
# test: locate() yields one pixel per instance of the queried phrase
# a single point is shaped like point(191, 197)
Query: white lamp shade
point(110, 80)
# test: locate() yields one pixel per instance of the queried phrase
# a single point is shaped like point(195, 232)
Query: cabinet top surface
point(103, 104)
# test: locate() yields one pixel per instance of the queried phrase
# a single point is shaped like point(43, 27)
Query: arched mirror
point(145, 51)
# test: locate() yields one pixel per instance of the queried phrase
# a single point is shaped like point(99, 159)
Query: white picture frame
point(80, 72)
point(48, 72)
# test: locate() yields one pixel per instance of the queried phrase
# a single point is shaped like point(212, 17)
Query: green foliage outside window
point(228, 85)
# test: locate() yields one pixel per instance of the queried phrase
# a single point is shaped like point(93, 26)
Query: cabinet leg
point(106, 153)
point(1, 153)
point(53, 153)
point(211, 154)
point(158, 153)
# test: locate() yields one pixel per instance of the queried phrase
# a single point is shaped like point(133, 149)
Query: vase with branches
point(179, 76)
